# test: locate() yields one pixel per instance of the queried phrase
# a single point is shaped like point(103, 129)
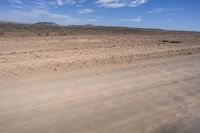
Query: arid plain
point(99, 80)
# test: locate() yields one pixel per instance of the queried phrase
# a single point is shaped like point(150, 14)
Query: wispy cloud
point(41, 4)
point(62, 2)
point(120, 3)
point(92, 20)
point(17, 6)
point(85, 10)
point(169, 20)
point(105, 3)
point(100, 3)
point(82, 1)
point(164, 10)
point(16, 1)
point(135, 19)
point(99, 17)
point(39, 11)
point(35, 15)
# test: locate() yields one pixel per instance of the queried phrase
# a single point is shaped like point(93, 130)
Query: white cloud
point(99, 17)
point(62, 2)
point(82, 1)
point(92, 20)
point(16, 1)
point(69, 2)
point(17, 6)
point(85, 10)
point(120, 3)
point(101, 3)
point(135, 19)
point(157, 10)
point(58, 16)
point(164, 10)
point(35, 15)
point(41, 4)
point(79, 5)
point(169, 20)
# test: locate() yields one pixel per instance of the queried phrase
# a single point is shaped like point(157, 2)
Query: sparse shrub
point(39, 34)
point(60, 33)
point(22, 35)
point(175, 42)
point(47, 33)
point(166, 41)
point(1, 33)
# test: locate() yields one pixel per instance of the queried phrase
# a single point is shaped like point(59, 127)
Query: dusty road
point(159, 95)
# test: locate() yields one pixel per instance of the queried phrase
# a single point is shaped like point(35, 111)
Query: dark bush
point(167, 41)
point(1, 33)
point(39, 34)
point(175, 42)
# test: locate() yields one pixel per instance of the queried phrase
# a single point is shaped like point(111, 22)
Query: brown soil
point(135, 80)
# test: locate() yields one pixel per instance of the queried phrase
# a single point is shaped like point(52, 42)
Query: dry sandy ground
point(21, 57)
point(100, 84)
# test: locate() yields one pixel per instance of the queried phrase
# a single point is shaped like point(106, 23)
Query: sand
point(100, 83)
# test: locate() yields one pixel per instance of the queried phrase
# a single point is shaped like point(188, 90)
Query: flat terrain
point(24, 56)
point(101, 83)
point(157, 96)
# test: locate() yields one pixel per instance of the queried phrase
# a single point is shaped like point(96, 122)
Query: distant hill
point(53, 29)
point(10, 22)
point(46, 23)
point(86, 25)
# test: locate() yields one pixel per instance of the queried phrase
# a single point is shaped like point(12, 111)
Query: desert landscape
point(96, 79)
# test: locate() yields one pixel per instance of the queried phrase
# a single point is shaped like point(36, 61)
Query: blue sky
point(165, 14)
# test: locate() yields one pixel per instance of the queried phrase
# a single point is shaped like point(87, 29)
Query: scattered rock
point(12, 53)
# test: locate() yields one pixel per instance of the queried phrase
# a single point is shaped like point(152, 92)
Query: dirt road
point(159, 95)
